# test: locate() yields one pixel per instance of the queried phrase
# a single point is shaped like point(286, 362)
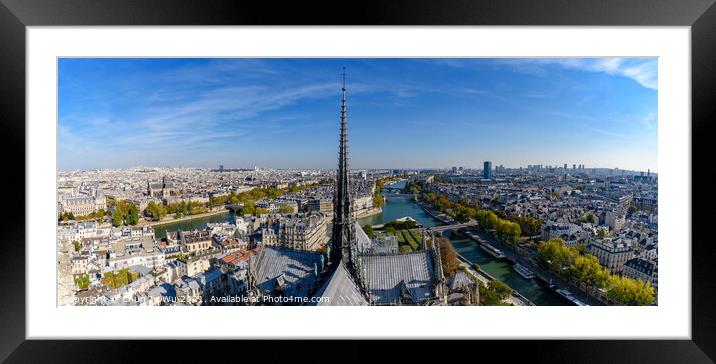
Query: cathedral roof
point(341, 290)
point(387, 277)
point(362, 239)
point(156, 186)
point(292, 270)
point(458, 280)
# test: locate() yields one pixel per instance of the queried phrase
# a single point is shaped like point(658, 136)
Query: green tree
point(507, 231)
point(591, 219)
point(630, 292)
point(123, 276)
point(587, 269)
point(413, 187)
point(82, 282)
point(400, 225)
point(155, 211)
point(233, 198)
point(76, 245)
point(132, 216)
point(494, 293)
point(528, 226)
point(249, 208)
point(273, 193)
point(503, 290)
point(368, 229)
point(378, 200)
point(491, 220)
point(124, 212)
point(117, 218)
point(65, 216)
point(556, 256)
point(602, 233)
point(286, 209)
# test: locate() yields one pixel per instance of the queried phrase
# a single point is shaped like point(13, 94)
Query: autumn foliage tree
point(448, 257)
point(586, 268)
point(571, 263)
point(630, 292)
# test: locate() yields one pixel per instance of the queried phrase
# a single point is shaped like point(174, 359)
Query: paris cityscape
point(352, 182)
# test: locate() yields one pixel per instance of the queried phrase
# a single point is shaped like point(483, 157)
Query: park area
point(408, 240)
point(407, 233)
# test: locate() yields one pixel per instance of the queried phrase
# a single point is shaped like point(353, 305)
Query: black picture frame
point(700, 15)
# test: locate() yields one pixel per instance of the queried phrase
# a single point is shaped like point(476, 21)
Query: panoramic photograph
point(357, 182)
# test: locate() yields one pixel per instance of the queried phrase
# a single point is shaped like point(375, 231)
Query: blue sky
point(402, 113)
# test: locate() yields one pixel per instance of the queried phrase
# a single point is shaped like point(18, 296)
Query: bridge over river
point(399, 194)
point(533, 289)
point(454, 227)
point(235, 208)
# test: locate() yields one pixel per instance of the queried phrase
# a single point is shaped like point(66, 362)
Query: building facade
point(161, 189)
point(612, 253)
point(643, 269)
point(80, 205)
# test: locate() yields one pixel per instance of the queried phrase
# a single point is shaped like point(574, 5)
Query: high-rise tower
point(343, 235)
point(487, 170)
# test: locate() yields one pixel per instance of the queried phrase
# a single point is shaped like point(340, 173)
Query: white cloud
point(645, 73)
point(642, 70)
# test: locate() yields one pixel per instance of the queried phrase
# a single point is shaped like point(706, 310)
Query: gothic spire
point(343, 234)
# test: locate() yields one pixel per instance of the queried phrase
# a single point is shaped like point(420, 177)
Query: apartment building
point(612, 253)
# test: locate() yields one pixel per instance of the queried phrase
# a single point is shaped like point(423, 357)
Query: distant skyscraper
point(565, 166)
point(221, 167)
point(487, 170)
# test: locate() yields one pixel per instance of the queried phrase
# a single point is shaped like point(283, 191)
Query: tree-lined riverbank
point(171, 220)
point(535, 291)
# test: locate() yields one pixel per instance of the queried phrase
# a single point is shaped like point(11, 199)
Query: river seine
point(401, 206)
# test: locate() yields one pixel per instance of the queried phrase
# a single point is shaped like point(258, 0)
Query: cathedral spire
point(343, 235)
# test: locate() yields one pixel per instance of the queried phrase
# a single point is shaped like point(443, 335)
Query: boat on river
point(523, 271)
point(569, 296)
point(497, 253)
